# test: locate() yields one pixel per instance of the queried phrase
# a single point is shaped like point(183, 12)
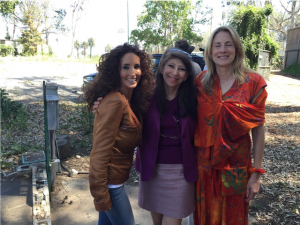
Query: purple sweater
point(147, 151)
point(169, 148)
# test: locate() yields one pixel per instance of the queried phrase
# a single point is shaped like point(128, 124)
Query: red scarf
point(222, 124)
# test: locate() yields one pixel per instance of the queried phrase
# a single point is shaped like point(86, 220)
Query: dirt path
point(278, 201)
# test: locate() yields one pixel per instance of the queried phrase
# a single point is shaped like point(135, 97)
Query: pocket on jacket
point(129, 130)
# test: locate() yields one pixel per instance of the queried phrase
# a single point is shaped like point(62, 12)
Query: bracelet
point(253, 170)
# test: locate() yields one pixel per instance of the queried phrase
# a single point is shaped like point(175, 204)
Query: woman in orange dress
point(231, 103)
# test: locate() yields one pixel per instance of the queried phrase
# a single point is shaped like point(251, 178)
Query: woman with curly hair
point(125, 80)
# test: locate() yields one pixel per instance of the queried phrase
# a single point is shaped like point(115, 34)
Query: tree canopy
point(8, 7)
point(165, 22)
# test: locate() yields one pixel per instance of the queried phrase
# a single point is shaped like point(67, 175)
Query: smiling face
point(130, 71)
point(174, 73)
point(223, 49)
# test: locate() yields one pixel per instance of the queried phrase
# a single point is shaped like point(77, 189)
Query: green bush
point(292, 69)
point(278, 63)
point(14, 117)
point(8, 107)
point(14, 114)
point(251, 24)
point(5, 50)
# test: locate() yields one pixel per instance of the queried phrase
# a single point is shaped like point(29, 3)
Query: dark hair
point(108, 78)
point(187, 99)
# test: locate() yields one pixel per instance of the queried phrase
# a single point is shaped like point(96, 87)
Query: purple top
point(169, 145)
point(147, 151)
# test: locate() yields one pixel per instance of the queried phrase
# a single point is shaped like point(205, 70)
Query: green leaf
point(223, 177)
point(232, 183)
point(226, 184)
point(228, 172)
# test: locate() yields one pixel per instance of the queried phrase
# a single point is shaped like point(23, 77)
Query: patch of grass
point(292, 69)
point(5, 164)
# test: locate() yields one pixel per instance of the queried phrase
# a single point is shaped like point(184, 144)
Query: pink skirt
point(167, 192)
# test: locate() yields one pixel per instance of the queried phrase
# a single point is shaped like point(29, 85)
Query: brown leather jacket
point(116, 133)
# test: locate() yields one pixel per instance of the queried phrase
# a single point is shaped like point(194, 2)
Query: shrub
point(292, 69)
point(5, 50)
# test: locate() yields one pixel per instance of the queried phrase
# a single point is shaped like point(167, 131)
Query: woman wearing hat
point(184, 46)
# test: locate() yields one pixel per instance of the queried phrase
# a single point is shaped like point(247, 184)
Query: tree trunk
point(14, 25)
point(293, 14)
point(77, 9)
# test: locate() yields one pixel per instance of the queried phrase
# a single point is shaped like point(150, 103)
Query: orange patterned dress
point(223, 147)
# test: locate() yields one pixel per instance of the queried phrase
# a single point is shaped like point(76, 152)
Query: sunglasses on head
point(178, 50)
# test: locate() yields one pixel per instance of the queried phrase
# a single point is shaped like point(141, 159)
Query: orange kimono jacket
point(223, 149)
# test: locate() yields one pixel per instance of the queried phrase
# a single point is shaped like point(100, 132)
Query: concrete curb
point(40, 193)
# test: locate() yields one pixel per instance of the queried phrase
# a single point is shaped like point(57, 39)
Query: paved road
point(24, 80)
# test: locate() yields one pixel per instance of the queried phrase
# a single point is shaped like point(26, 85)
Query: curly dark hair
point(187, 94)
point(108, 78)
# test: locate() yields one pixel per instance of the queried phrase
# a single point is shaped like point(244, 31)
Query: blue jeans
point(120, 212)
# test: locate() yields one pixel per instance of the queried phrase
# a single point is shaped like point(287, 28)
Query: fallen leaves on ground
point(278, 201)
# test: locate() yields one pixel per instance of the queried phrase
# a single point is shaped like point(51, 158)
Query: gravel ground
point(24, 80)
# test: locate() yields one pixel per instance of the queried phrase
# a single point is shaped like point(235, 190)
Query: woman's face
point(223, 49)
point(130, 71)
point(174, 73)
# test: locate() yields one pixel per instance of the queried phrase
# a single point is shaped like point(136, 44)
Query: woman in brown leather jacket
point(126, 81)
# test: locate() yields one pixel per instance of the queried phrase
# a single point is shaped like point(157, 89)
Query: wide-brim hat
point(190, 49)
point(202, 49)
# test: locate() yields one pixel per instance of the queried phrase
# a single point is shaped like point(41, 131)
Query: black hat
point(184, 46)
point(190, 49)
point(202, 49)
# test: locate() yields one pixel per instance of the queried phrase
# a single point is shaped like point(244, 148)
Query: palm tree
point(77, 46)
point(92, 43)
point(84, 45)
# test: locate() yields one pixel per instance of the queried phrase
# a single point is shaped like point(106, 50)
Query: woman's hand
point(96, 104)
point(258, 137)
point(253, 186)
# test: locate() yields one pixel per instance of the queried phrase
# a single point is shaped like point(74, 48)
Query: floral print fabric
point(223, 149)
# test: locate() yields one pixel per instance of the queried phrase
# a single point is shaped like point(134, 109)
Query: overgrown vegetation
point(278, 63)
point(292, 69)
point(23, 130)
point(251, 24)
point(14, 119)
point(6, 49)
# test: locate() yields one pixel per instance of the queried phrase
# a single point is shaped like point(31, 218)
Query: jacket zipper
point(131, 129)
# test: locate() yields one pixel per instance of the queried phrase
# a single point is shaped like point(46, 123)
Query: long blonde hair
point(238, 67)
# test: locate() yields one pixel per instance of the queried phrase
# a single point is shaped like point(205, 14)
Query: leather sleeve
point(106, 124)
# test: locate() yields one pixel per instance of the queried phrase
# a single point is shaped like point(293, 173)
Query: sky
point(103, 20)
